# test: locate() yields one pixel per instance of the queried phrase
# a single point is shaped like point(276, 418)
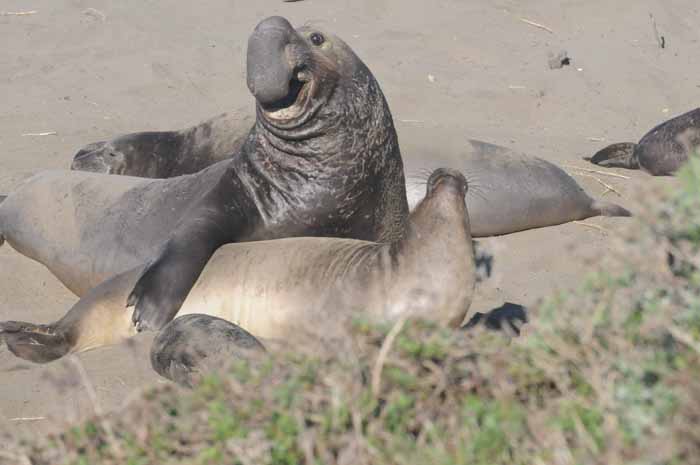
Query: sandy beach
point(76, 71)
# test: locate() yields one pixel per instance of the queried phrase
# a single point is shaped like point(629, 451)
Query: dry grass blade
point(538, 25)
point(661, 40)
point(588, 170)
point(592, 226)
point(383, 352)
point(18, 13)
point(607, 186)
point(49, 133)
point(92, 395)
point(684, 337)
point(28, 419)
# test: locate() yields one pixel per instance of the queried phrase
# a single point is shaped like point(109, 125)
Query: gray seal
point(661, 152)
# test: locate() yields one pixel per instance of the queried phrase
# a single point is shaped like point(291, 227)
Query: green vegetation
point(605, 374)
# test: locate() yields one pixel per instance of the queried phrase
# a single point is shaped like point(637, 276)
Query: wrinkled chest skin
point(339, 184)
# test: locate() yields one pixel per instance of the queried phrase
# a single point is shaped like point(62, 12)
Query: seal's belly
point(275, 289)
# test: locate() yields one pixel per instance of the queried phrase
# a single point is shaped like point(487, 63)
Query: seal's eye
point(317, 39)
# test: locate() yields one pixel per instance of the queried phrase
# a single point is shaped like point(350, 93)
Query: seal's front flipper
point(36, 343)
point(164, 284)
point(616, 156)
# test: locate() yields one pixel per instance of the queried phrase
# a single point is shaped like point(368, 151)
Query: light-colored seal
point(322, 160)
point(276, 289)
point(661, 152)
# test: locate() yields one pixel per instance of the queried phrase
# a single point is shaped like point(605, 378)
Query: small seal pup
point(661, 152)
point(166, 154)
point(510, 192)
point(322, 160)
point(275, 289)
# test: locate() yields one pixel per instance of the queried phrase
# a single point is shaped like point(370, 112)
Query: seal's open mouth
point(295, 102)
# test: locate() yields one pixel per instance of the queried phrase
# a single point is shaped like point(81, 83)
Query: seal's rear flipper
point(604, 208)
point(616, 156)
point(508, 315)
point(36, 343)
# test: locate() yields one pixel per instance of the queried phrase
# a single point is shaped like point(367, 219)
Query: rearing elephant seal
point(276, 289)
point(661, 152)
point(322, 160)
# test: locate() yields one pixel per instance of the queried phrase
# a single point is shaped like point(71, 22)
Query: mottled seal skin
point(661, 152)
point(194, 345)
point(276, 290)
point(510, 192)
point(167, 154)
point(322, 160)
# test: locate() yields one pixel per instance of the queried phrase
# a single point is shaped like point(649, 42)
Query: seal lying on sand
point(661, 152)
point(510, 192)
point(166, 154)
point(322, 160)
point(276, 289)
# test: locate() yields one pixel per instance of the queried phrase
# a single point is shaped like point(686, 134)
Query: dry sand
point(90, 70)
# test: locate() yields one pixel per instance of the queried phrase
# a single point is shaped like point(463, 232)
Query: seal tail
point(36, 343)
point(616, 156)
point(604, 208)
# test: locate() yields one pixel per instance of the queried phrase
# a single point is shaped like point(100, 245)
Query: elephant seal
point(193, 345)
point(509, 192)
point(661, 152)
point(322, 160)
point(166, 154)
point(276, 289)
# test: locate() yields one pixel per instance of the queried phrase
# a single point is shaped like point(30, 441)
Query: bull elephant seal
point(322, 160)
point(509, 192)
point(661, 152)
point(276, 290)
point(166, 154)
